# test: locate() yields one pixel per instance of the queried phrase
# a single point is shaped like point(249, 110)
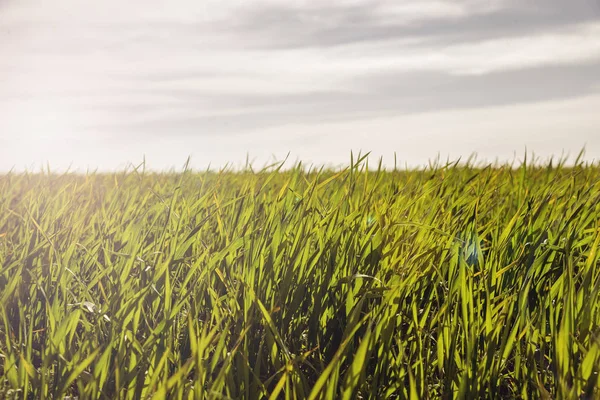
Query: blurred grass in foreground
point(455, 281)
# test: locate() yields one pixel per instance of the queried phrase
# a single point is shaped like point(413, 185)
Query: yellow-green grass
point(457, 281)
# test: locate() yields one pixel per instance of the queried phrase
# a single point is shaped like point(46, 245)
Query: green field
point(456, 281)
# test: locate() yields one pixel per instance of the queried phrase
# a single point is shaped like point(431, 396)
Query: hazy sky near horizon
point(102, 84)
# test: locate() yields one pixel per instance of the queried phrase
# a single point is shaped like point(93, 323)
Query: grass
point(457, 281)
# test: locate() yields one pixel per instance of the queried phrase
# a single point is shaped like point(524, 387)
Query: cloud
point(218, 70)
point(578, 44)
point(280, 25)
point(371, 95)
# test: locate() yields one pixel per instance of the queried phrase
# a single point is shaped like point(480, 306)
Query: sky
point(100, 85)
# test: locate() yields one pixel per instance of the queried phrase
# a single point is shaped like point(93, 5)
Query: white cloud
point(572, 46)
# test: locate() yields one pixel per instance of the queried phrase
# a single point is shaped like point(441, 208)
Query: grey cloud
point(280, 26)
point(403, 92)
point(422, 92)
point(378, 94)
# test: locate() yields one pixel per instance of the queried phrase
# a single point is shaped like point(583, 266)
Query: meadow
point(455, 281)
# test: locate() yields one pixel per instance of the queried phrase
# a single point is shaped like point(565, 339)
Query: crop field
point(456, 281)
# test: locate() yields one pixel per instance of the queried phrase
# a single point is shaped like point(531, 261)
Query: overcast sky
point(101, 84)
